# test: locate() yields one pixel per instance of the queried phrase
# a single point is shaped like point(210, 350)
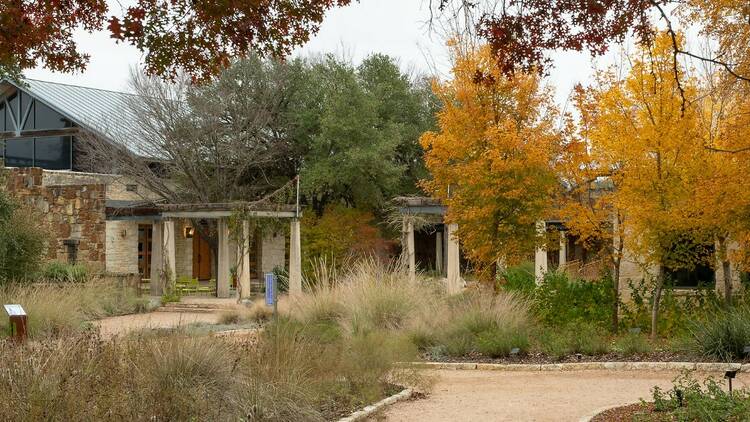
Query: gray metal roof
point(106, 113)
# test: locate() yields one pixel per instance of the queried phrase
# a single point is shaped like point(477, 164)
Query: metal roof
point(105, 113)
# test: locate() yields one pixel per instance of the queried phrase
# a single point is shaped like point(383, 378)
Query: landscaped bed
point(688, 400)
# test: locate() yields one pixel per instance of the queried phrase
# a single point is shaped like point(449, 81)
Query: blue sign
point(270, 289)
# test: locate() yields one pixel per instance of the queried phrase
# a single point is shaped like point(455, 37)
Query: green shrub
point(673, 307)
point(689, 401)
point(519, 278)
point(587, 339)
point(472, 314)
point(497, 342)
point(722, 335)
point(559, 301)
point(61, 272)
point(22, 240)
point(633, 344)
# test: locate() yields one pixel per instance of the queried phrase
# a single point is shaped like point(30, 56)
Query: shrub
point(689, 401)
point(61, 272)
point(722, 335)
point(586, 339)
point(497, 342)
point(633, 344)
point(559, 301)
point(672, 308)
point(520, 279)
point(340, 234)
point(474, 314)
point(22, 240)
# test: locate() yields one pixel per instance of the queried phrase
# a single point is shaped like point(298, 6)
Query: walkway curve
point(480, 395)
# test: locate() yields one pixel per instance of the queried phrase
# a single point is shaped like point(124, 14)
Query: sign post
point(272, 296)
point(18, 322)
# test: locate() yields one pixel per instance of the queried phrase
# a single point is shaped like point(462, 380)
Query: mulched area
point(541, 358)
point(632, 412)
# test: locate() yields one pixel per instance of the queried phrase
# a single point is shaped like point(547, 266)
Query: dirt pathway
point(473, 395)
point(123, 324)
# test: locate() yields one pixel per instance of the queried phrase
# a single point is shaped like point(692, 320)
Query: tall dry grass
point(59, 309)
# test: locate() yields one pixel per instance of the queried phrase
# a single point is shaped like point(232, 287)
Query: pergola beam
point(226, 213)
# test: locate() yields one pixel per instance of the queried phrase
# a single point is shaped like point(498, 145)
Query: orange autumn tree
point(649, 149)
point(722, 192)
point(491, 158)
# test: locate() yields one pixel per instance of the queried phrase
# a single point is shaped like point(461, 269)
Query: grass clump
point(481, 322)
point(61, 272)
point(633, 344)
point(586, 339)
point(722, 335)
point(56, 310)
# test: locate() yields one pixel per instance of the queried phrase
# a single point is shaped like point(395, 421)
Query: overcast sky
point(393, 27)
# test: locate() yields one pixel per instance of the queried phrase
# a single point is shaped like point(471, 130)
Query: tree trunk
point(656, 302)
point(616, 293)
point(727, 270)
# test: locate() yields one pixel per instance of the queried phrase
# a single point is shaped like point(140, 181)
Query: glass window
point(53, 152)
point(13, 110)
point(2, 116)
point(19, 152)
point(46, 118)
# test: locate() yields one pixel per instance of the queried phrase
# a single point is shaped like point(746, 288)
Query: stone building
point(106, 221)
point(570, 256)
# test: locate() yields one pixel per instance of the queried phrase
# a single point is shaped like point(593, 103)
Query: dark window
point(691, 266)
point(13, 104)
point(19, 152)
point(2, 116)
point(700, 275)
point(46, 118)
point(53, 152)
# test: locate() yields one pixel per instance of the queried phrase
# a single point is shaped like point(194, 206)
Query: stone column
point(243, 269)
point(157, 259)
point(453, 271)
point(223, 278)
point(408, 232)
point(540, 258)
point(169, 251)
point(439, 252)
point(563, 250)
point(295, 259)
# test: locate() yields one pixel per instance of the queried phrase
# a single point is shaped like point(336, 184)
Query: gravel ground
point(473, 395)
point(123, 324)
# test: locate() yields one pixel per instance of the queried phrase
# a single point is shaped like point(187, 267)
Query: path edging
point(596, 412)
point(369, 410)
point(579, 366)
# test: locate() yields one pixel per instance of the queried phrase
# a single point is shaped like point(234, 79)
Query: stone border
point(580, 366)
point(596, 412)
point(369, 410)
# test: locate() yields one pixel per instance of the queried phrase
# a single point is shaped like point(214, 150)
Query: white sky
point(393, 27)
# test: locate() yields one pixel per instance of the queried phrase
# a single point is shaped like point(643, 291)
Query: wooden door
point(145, 232)
point(201, 258)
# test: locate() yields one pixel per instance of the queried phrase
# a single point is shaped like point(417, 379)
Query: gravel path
point(472, 395)
point(123, 324)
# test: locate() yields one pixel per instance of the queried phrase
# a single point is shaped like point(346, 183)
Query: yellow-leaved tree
point(648, 149)
point(491, 159)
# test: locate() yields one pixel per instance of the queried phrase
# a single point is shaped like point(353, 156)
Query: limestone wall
point(122, 247)
point(183, 250)
point(72, 213)
point(273, 252)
